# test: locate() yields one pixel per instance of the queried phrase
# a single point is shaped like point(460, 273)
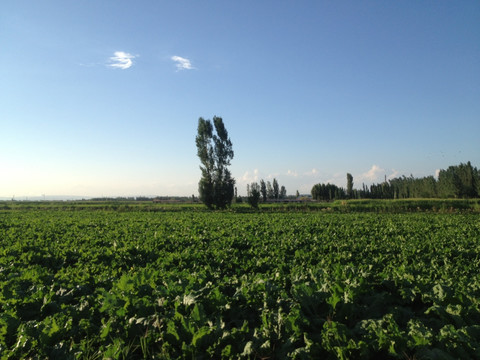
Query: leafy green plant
point(96, 284)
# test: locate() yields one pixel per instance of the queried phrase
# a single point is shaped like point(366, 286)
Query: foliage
point(460, 181)
point(276, 189)
point(349, 185)
point(216, 186)
point(327, 192)
point(253, 194)
point(263, 190)
point(194, 284)
point(272, 191)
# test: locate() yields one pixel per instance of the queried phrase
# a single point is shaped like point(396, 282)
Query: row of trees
point(327, 192)
point(265, 191)
point(270, 191)
point(459, 181)
point(217, 186)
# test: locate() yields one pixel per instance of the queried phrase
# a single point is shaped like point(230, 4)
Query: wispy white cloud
point(182, 63)
point(312, 172)
point(394, 174)
point(338, 179)
point(292, 173)
point(372, 174)
point(121, 60)
point(248, 177)
point(272, 176)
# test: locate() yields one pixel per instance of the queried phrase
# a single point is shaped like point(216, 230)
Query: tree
point(468, 178)
point(327, 192)
point(216, 186)
point(449, 183)
point(263, 190)
point(460, 181)
point(283, 192)
point(349, 185)
point(269, 190)
point(276, 190)
point(253, 193)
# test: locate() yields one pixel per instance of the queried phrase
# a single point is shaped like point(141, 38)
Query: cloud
point(394, 174)
point(273, 176)
point(372, 174)
point(121, 60)
point(338, 179)
point(248, 178)
point(182, 63)
point(312, 172)
point(292, 173)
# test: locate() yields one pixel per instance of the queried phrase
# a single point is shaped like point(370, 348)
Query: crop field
point(95, 284)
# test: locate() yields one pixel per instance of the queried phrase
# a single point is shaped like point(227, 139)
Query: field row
point(104, 284)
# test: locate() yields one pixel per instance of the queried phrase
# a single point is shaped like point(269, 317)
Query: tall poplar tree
point(276, 189)
point(216, 186)
point(253, 193)
point(270, 194)
point(263, 190)
point(349, 185)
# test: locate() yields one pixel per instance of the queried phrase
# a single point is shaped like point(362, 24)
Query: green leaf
point(199, 335)
point(172, 330)
point(106, 329)
point(419, 334)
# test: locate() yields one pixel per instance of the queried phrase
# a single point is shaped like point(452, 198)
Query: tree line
point(457, 181)
point(216, 187)
point(265, 191)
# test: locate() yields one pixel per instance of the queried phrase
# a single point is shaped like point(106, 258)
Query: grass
point(355, 205)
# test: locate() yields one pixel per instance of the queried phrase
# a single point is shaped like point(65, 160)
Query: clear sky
point(103, 97)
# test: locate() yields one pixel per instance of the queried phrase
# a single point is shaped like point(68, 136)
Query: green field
point(129, 281)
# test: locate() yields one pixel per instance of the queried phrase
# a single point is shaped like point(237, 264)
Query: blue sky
point(103, 97)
